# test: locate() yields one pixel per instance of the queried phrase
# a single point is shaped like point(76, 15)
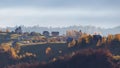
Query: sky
point(60, 13)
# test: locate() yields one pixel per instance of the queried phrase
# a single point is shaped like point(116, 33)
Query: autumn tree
point(7, 30)
point(109, 38)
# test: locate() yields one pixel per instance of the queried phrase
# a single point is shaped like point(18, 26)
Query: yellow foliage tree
point(109, 38)
point(48, 51)
point(71, 44)
point(13, 53)
point(7, 30)
point(117, 37)
point(5, 47)
point(104, 40)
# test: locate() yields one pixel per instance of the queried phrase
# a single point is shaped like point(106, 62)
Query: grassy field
point(57, 49)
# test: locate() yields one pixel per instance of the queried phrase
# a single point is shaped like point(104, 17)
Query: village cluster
point(31, 38)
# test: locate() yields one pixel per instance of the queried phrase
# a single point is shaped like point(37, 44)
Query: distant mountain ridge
point(62, 30)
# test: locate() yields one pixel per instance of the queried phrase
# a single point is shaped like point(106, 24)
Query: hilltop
point(62, 30)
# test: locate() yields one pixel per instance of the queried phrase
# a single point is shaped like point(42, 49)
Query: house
point(46, 34)
point(54, 34)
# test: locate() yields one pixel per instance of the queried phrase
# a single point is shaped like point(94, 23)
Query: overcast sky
point(59, 13)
